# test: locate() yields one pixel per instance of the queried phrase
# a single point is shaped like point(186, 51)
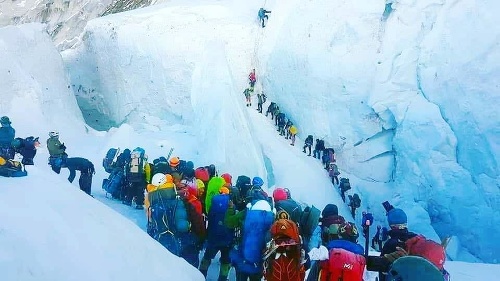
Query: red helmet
point(227, 178)
point(279, 194)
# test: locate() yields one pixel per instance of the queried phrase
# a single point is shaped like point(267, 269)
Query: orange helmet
point(224, 190)
point(174, 161)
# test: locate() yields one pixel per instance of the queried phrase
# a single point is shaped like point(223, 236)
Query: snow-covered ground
point(172, 76)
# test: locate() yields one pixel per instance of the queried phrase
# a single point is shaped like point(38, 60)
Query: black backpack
point(356, 200)
point(345, 185)
point(309, 140)
point(292, 209)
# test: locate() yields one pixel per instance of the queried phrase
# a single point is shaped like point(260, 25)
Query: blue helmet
point(257, 181)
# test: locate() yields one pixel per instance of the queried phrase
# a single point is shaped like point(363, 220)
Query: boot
point(224, 271)
point(204, 265)
point(305, 152)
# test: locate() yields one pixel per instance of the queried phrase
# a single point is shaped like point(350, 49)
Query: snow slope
point(53, 231)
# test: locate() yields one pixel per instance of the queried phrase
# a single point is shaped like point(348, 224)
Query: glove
point(62, 146)
point(400, 252)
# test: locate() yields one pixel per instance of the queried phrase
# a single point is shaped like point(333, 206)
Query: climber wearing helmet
point(57, 151)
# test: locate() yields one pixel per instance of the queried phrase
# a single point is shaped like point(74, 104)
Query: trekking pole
point(367, 221)
point(170, 153)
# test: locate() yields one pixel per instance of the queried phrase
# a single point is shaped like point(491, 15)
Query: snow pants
point(85, 182)
point(135, 189)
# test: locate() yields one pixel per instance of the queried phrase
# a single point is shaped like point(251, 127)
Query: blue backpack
point(169, 219)
point(248, 257)
point(218, 233)
point(107, 162)
point(113, 184)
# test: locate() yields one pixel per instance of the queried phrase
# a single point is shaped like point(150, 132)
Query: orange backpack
point(285, 229)
point(283, 254)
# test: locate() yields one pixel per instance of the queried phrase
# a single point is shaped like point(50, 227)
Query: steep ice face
point(35, 88)
point(132, 66)
point(402, 98)
point(224, 135)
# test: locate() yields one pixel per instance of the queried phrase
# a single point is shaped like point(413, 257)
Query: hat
point(227, 178)
point(174, 162)
point(330, 210)
point(397, 217)
point(189, 173)
point(224, 190)
point(5, 120)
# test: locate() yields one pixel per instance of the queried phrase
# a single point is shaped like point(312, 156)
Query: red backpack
point(428, 249)
point(283, 254)
point(342, 265)
point(202, 174)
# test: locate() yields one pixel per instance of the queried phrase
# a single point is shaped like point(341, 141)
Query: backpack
point(113, 184)
point(428, 249)
point(321, 144)
point(243, 183)
point(110, 159)
point(309, 221)
point(309, 140)
point(202, 174)
point(330, 226)
point(27, 148)
point(345, 185)
point(11, 168)
point(218, 233)
point(288, 209)
point(213, 188)
point(197, 220)
point(247, 258)
point(342, 265)
point(169, 218)
point(334, 170)
point(137, 165)
point(356, 200)
point(283, 259)
point(161, 165)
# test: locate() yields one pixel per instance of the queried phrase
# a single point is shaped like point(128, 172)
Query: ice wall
point(138, 64)
point(406, 95)
point(224, 135)
point(35, 91)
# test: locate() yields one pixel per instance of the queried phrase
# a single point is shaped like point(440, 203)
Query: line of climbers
point(27, 148)
point(189, 210)
point(286, 128)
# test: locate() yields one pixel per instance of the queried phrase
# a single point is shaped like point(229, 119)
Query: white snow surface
point(408, 131)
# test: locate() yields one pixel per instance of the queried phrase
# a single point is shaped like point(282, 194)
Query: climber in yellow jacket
point(293, 132)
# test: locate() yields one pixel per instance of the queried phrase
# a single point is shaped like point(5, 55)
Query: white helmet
point(53, 134)
point(159, 179)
